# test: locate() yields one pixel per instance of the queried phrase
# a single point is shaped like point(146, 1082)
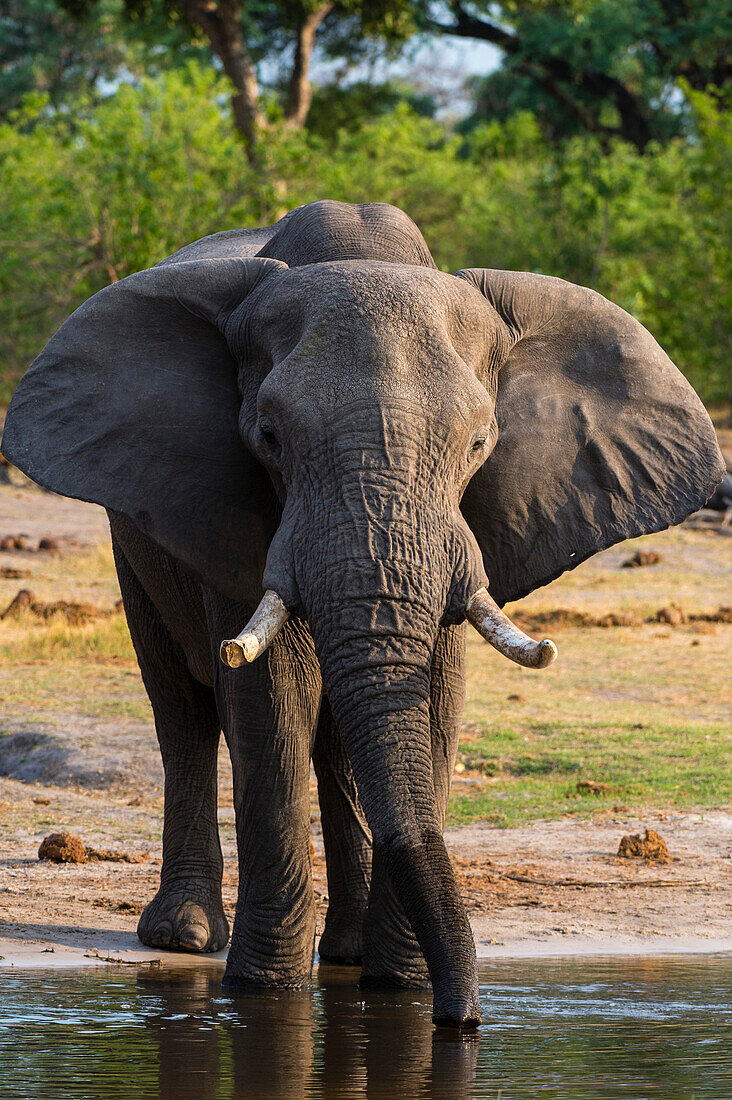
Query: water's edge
point(124, 947)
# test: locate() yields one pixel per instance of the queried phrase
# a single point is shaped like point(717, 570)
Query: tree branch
point(556, 72)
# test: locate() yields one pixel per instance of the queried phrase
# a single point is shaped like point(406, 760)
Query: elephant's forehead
point(346, 295)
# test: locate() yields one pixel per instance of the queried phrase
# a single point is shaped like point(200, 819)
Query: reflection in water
point(571, 1029)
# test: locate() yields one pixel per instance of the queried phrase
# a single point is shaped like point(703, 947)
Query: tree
point(236, 32)
point(613, 67)
point(47, 50)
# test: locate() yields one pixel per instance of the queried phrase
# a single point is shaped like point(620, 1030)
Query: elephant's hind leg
point(187, 913)
point(347, 846)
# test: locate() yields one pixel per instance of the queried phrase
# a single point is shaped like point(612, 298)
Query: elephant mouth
point(481, 611)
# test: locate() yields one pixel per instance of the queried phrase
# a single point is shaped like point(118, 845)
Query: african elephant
point(314, 409)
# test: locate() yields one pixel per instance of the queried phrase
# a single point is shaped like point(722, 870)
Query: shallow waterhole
point(582, 1028)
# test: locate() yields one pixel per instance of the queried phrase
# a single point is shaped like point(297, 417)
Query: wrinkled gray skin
point(314, 408)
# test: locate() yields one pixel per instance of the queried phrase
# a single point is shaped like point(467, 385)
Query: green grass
point(531, 770)
point(644, 710)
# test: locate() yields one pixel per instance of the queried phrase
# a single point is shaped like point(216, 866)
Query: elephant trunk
point(375, 656)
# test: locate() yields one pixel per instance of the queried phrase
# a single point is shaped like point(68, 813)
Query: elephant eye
point(268, 433)
point(479, 445)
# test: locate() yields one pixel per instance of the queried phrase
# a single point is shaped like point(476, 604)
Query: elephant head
point(316, 409)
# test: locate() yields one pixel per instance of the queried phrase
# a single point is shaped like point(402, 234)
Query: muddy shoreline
point(548, 888)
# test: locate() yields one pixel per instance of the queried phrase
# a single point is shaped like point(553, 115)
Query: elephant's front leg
point(187, 913)
point(269, 710)
point(391, 953)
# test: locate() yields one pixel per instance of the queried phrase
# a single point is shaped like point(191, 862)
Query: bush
point(93, 194)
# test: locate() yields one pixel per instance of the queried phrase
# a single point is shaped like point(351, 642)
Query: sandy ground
point(549, 887)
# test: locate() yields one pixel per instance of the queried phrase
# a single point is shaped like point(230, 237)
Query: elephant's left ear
point(600, 437)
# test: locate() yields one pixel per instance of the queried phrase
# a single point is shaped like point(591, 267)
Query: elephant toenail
point(193, 935)
point(162, 935)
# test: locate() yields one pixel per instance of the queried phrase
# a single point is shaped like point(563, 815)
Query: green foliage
point(46, 50)
point(352, 106)
point(94, 194)
point(598, 65)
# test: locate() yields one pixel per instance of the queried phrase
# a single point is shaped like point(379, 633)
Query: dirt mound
point(75, 614)
point(652, 846)
point(563, 616)
point(20, 542)
point(589, 786)
point(641, 558)
point(11, 573)
point(14, 542)
point(111, 855)
point(118, 906)
point(673, 615)
point(67, 848)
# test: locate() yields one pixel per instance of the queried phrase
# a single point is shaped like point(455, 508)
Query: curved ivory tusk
point(496, 627)
point(261, 630)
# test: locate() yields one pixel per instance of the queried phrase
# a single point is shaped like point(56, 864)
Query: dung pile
point(75, 614)
point(67, 848)
point(652, 847)
point(641, 558)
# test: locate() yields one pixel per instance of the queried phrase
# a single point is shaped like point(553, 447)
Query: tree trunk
point(220, 21)
point(299, 93)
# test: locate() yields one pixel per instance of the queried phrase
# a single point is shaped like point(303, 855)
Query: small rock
point(62, 848)
point(48, 544)
point(515, 698)
point(652, 846)
point(41, 801)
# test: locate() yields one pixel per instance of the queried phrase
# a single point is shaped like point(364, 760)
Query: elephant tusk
point(261, 630)
point(496, 627)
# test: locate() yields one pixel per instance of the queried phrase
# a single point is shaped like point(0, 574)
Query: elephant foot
point(342, 941)
point(180, 919)
point(340, 946)
point(392, 958)
point(393, 964)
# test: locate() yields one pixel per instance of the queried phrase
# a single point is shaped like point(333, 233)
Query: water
point(565, 1029)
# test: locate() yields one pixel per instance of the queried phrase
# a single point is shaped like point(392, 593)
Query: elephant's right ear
point(134, 405)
